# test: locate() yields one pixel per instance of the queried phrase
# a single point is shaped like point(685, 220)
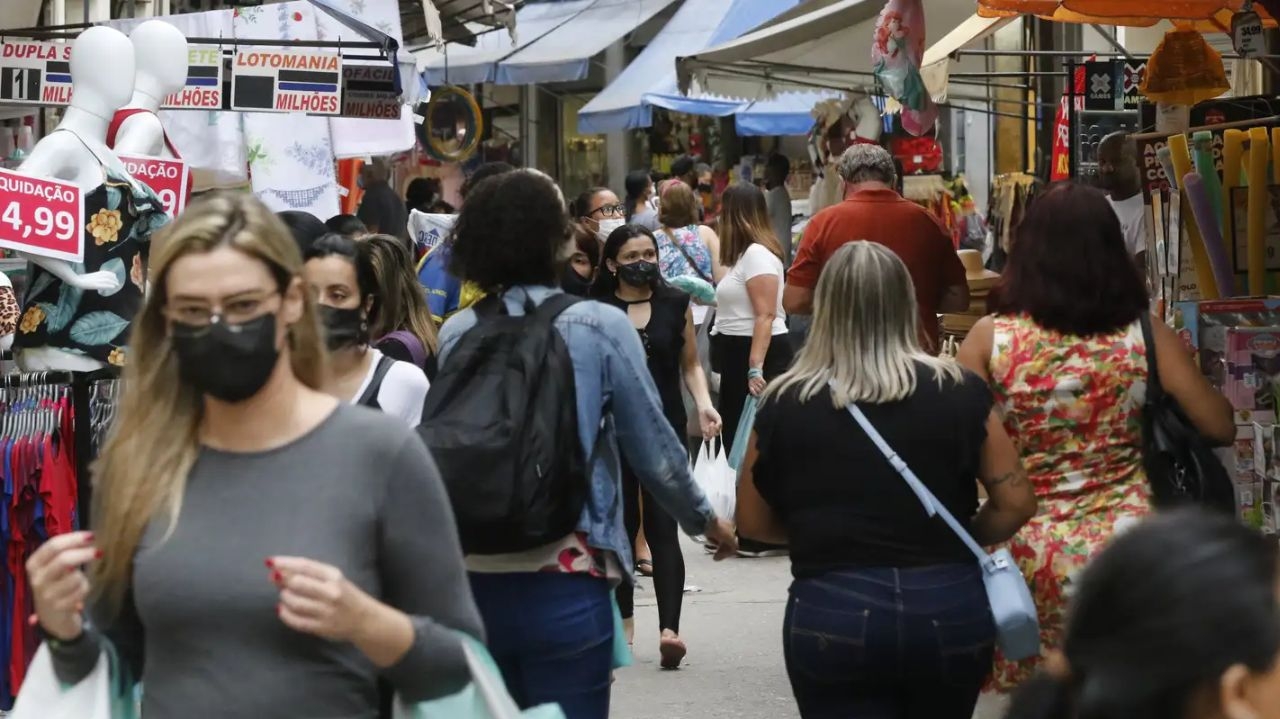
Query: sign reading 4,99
point(41, 217)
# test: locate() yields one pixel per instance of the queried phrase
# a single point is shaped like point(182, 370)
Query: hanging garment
point(896, 54)
point(121, 214)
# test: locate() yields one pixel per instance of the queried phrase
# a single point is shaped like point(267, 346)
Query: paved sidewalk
point(734, 631)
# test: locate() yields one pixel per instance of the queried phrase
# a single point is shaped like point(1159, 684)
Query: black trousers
point(733, 359)
point(663, 535)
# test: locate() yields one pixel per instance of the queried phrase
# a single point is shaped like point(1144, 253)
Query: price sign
point(35, 73)
point(1247, 34)
point(166, 178)
point(41, 217)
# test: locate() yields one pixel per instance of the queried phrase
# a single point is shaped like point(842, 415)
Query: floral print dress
point(121, 214)
point(1073, 406)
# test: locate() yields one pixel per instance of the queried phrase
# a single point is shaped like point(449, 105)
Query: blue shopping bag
point(743, 435)
point(486, 697)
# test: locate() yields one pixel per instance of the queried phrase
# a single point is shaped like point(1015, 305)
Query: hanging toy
point(896, 55)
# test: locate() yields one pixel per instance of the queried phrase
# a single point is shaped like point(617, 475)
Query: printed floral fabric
point(672, 260)
point(570, 555)
point(120, 216)
point(1073, 406)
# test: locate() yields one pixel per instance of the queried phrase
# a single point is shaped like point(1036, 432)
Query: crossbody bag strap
point(689, 258)
point(931, 504)
point(1155, 390)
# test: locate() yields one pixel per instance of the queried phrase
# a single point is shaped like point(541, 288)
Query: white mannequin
point(160, 51)
point(102, 75)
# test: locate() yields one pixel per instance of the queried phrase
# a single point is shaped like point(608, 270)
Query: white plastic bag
point(42, 695)
point(717, 479)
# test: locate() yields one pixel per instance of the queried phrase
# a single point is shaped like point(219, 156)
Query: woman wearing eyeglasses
point(629, 279)
point(600, 211)
point(228, 456)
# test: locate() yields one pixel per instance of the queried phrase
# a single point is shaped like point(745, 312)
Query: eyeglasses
point(610, 210)
point(232, 313)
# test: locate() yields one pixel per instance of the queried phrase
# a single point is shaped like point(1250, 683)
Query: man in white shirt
point(779, 202)
point(1119, 176)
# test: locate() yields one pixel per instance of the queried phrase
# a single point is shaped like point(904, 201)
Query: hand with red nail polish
point(59, 587)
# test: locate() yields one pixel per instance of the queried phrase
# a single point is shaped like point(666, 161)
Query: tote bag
point(101, 695)
point(1014, 611)
point(486, 697)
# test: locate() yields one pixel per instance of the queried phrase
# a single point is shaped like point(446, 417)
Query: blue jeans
point(889, 643)
point(552, 637)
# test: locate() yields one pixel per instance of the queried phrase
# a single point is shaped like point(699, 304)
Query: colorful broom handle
point(1181, 156)
point(1259, 159)
point(1197, 192)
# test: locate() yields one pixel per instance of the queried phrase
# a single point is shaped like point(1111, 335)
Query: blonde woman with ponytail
point(887, 614)
point(260, 549)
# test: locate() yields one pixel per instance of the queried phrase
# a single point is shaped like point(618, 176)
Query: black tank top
point(663, 340)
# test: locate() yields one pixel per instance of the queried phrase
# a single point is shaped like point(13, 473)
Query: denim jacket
point(616, 396)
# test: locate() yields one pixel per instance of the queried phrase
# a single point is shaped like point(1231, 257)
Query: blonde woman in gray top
point(236, 562)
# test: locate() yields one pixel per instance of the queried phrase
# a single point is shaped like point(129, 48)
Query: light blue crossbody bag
point(1014, 611)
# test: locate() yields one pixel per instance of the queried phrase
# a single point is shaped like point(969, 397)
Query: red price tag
point(41, 217)
point(166, 178)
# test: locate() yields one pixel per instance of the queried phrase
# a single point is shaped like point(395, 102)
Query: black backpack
point(501, 421)
point(1180, 464)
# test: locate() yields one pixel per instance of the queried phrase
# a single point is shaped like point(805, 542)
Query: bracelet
point(755, 373)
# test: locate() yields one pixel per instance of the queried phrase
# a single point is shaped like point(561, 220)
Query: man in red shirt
point(872, 210)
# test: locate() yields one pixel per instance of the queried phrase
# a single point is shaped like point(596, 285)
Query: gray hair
point(867, 163)
point(864, 345)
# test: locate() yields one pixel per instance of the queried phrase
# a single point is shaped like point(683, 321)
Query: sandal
point(673, 651)
point(645, 567)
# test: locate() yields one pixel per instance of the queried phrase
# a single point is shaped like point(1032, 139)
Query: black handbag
point(1180, 464)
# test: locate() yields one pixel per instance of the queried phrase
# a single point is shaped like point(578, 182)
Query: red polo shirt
point(906, 228)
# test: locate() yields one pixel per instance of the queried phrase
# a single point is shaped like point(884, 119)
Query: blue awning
point(555, 43)
point(650, 80)
point(565, 54)
point(786, 114)
point(456, 64)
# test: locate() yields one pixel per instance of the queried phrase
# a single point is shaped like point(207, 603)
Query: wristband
point(755, 373)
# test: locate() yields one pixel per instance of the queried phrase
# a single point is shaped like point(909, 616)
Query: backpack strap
point(1155, 391)
point(417, 352)
point(370, 396)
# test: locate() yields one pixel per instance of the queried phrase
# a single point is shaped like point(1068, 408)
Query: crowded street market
point(645, 359)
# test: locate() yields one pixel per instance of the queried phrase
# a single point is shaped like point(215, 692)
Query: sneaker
point(752, 549)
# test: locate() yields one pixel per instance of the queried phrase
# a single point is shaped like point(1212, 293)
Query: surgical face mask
point(640, 273)
point(607, 227)
point(344, 327)
point(228, 362)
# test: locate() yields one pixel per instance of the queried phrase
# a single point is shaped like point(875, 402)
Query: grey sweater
point(359, 492)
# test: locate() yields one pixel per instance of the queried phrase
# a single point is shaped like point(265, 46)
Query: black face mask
point(638, 274)
point(344, 327)
point(227, 362)
point(573, 283)
point(705, 188)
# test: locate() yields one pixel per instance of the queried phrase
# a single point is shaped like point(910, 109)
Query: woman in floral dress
point(1066, 360)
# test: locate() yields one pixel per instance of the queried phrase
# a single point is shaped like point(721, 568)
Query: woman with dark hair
point(341, 276)
point(1065, 357)
point(600, 211)
point(639, 195)
point(548, 610)
point(400, 325)
point(580, 270)
point(1176, 619)
point(347, 226)
point(629, 280)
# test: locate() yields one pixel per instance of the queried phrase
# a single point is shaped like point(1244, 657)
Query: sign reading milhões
point(35, 73)
point(369, 91)
point(286, 81)
point(203, 89)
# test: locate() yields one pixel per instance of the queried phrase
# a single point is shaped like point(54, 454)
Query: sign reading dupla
point(35, 73)
point(302, 81)
point(41, 217)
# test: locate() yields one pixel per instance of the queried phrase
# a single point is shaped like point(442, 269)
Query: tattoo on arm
point(1014, 478)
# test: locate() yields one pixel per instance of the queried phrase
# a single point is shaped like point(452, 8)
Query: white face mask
point(607, 227)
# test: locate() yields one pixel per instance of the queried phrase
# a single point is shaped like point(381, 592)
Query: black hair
point(512, 230)
point(780, 164)
point(421, 192)
point(682, 167)
point(347, 225)
point(357, 253)
point(637, 184)
point(484, 172)
point(1158, 617)
point(305, 227)
point(581, 205)
point(606, 282)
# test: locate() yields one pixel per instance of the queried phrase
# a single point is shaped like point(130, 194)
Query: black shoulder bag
point(1179, 462)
